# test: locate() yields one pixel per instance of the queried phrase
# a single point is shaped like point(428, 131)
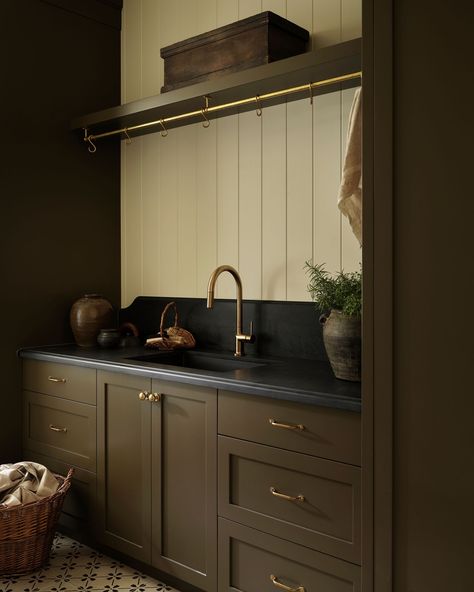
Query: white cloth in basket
point(25, 482)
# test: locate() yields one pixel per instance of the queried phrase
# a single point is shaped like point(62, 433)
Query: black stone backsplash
point(283, 329)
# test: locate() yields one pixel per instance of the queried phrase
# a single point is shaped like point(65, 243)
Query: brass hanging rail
point(207, 109)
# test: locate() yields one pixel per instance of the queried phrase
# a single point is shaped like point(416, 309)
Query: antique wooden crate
point(259, 39)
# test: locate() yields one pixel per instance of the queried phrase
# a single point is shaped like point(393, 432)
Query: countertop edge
point(282, 393)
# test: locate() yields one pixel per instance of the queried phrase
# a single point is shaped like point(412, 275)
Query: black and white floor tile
point(73, 567)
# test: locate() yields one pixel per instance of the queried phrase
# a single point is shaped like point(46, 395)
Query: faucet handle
point(251, 335)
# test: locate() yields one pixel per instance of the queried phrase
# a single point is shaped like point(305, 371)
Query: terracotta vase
point(88, 316)
point(342, 340)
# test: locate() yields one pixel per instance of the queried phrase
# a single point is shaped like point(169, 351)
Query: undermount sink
point(197, 361)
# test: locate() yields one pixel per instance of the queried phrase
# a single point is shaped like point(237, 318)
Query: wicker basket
point(27, 531)
point(174, 337)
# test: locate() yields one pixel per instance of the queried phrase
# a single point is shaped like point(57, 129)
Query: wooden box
point(259, 39)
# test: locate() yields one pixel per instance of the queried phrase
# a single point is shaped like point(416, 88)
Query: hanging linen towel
point(349, 198)
point(25, 482)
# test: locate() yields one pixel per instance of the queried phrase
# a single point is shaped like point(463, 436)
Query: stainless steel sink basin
point(197, 361)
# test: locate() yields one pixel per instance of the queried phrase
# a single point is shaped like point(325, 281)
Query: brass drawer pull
point(143, 395)
point(154, 397)
point(290, 498)
point(286, 426)
point(54, 379)
point(278, 584)
point(56, 429)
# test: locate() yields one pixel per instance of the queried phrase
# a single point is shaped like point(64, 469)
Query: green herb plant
point(342, 292)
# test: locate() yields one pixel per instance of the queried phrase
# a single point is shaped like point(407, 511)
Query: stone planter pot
point(342, 340)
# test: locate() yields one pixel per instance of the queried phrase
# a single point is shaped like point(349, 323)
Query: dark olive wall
point(434, 217)
point(60, 205)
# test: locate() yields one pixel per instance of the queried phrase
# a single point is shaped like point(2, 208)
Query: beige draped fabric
point(350, 191)
point(25, 482)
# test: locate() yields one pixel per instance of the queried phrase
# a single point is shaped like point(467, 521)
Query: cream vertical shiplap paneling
point(351, 19)
point(206, 195)
point(227, 201)
point(250, 203)
point(274, 203)
point(249, 7)
point(151, 173)
point(258, 194)
point(299, 175)
point(327, 168)
point(132, 55)
point(187, 210)
point(227, 12)
point(132, 231)
point(351, 251)
point(168, 235)
point(151, 66)
point(276, 6)
point(299, 196)
point(326, 22)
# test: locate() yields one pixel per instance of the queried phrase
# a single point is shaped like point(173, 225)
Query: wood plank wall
point(256, 193)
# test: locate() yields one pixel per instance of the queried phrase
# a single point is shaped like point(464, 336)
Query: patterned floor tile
point(74, 567)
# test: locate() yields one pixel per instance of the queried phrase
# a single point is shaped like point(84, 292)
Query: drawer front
point(304, 499)
point(324, 432)
point(78, 510)
point(62, 429)
point(68, 382)
point(253, 561)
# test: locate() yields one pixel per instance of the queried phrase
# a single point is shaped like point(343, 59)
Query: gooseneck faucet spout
point(240, 337)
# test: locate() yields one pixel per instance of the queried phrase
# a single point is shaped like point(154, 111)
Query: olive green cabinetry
point(289, 496)
point(157, 474)
point(59, 431)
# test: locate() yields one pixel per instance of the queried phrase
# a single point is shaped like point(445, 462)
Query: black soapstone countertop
point(291, 379)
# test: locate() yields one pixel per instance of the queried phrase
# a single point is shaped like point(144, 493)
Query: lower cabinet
point(253, 561)
point(157, 474)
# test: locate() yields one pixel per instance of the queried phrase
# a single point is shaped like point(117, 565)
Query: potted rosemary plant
point(339, 299)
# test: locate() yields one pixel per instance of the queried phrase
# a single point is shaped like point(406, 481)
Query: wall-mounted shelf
point(186, 104)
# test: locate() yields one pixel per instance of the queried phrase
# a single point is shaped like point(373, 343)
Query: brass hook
point(164, 132)
point(92, 147)
point(310, 88)
point(206, 122)
point(259, 106)
point(129, 139)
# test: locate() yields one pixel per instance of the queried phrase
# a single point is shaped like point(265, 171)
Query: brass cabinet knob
point(154, 397)
point(143, 395)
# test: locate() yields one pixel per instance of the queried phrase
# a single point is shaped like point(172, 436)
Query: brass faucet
point(240, 338)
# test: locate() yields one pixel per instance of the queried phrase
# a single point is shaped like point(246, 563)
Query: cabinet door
point(124, 463)
point(184, 501)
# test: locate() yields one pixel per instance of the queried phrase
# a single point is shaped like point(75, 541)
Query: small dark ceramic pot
point(342, 340)
point(88, 316)
point(108, 338)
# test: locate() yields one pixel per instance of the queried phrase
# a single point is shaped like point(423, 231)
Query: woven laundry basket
point(27, 531)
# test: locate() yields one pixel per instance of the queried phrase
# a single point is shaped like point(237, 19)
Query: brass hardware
point(56, 429)
point(88, 138)
point(164, 132)
point(154, 397)
point(286, 426)
point(278, 584)
point(240, 337)
point(290, 498)
point(215, 108)
point(259, 106)
point(54, 379)
point(129, 139)
point(310, 88)
point(143, 395)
